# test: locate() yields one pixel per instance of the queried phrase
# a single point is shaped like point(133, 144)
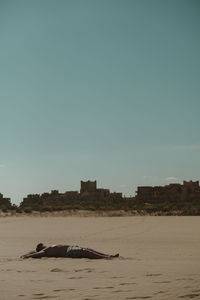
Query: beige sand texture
point(160, 258)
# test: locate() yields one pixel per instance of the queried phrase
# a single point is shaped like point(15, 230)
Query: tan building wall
point(4, 201)
point(88, 186)
point(172, 192)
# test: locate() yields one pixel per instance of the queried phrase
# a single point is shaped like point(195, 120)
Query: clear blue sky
point(105, 90)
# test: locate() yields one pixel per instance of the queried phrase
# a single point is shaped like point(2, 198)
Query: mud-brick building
point(175, 192)
point(4, 202)
point(190, 190)
point(53, 198)
point(90, 191)
point(88, 187)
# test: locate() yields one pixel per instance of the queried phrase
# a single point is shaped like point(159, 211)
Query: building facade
point(188, 191)
point(4, 202)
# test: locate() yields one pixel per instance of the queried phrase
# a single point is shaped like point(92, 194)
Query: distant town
point(184, 198)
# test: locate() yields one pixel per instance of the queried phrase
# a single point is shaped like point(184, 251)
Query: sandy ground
point(160, 258)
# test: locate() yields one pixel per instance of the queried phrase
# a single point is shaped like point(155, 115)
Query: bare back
point(56, 251)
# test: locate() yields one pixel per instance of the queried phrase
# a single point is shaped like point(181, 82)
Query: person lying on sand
point(66, 251)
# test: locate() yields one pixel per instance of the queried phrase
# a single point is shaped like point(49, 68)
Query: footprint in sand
point(162, 281)
point(127, 283)
point(122, 291)
point(191, 296)
point(19, 271)
point(153, 274)
point(86, 269)
point(103, 287)
point(144, 297)
point(177, 279)
point(89, 270)
point(42, 296)
point(58, 270)
point(185, 279)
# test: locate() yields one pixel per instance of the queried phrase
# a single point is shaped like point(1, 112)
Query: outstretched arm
point(34, 255)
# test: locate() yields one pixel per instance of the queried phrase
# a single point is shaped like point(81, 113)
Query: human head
point(40, 246)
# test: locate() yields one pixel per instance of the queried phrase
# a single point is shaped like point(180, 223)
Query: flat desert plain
point(159, 258)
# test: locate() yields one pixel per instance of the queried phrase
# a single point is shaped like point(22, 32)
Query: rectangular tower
point(88, 186)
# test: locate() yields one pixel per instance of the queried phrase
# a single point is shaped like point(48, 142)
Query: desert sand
point(159, 258)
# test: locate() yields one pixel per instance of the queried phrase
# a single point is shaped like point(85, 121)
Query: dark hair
point(39, 247)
